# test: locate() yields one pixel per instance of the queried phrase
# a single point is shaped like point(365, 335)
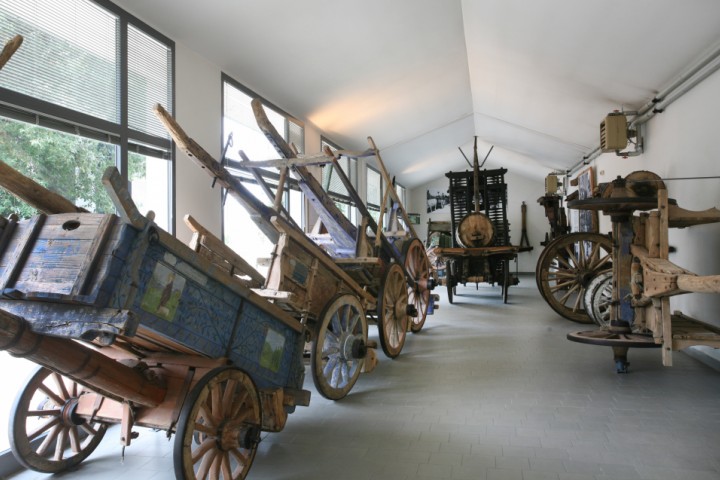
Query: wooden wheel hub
point(68, 413)
point(233, 434)
point(353, 347)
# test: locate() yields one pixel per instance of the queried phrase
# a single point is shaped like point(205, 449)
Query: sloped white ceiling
point(532, 78)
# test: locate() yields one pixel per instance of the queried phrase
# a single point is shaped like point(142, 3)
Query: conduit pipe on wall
point(685, 82)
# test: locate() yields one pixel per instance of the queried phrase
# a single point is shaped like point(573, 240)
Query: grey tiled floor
point(485, 392)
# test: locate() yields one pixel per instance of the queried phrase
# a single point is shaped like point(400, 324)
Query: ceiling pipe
point(685, 82)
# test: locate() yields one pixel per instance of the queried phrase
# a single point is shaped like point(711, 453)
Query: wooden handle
point(9, 49)
point(33, 193)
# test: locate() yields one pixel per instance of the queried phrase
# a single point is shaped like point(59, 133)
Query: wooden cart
point(380, 260)
point(643, 279)
point(303, 280)
point(132, 327)
point(481, 250)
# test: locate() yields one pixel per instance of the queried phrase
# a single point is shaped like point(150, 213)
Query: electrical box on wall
point(552, 184)
point(613, 132)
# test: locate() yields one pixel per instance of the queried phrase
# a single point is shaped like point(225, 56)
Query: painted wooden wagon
point(132, 327)
point(394, 256)
point(303, 281)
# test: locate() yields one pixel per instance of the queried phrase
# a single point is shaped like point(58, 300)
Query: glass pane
point(69, 56)
point(241, 233)
point(296, 206)
point(374, 192)
point(239, 121)
point(69, 165)
point(149, 81)
point(296, 135)
point(150, 186)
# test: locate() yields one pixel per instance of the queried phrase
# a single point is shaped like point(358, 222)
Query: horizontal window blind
point(69, 57)
point(149, 81)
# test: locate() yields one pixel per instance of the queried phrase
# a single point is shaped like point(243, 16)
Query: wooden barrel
point(475, 230)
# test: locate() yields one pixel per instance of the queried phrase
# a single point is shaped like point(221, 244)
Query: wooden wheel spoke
point(206, 461)
point(49, 439)
point(560, 286)
point(43, 413)
point(60, 443)
point(61, 385)
point(225, 467)
point(52, 395)
point(74, 439)
point(570, 250)
point(52, 423)
point(215, 401)
point(564, 298)
point(240, 399)
point(229, 394)
point(200, 452)
point(240, 456)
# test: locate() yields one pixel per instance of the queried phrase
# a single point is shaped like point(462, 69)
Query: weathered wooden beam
point(119, 194)
point(342, 230)
point(215, 245)
point(9, 49)
point(303, 161)
point(259, 212)
point(34, 194)
point(73, 321)
point(74, 360)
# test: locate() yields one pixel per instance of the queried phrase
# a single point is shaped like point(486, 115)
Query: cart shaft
point(79, 362)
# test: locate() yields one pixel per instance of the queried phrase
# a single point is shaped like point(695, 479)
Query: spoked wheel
point(46, 434)
point(417, 265)
point(219, 427)
point(566, 267)
point(338, 352)
point(392, 311)
point(450, 280)
point(506, 280)
point(598, 299)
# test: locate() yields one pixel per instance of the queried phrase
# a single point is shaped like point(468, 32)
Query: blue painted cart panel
point(101, 261)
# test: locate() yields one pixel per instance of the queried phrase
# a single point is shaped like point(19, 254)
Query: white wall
point(197, 110)
point(520, 189)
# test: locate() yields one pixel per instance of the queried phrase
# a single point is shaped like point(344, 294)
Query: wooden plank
point(335, 221)
point(681, 218)
point(393, 193)
point(120, 196)
point(33, 193)
point(87, 366)
point(215, 245)
point(9, 49)
point(324, 259)
point(72, 321)
point(259, 212)
point(299, 161)
point(23, 246)
point(93, 256)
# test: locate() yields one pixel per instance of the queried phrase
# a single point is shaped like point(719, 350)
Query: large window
point(76, 98)
point(333, 184)
point(373, 192)
point(241, 134)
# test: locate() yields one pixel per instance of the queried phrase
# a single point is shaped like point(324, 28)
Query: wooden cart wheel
point(506, 280)
point(339, 350)
point(46, 434)
point(417, 265)
point(450, 280)
point(567, 266)
point(392, 311)
point(598, 299)
point(219, 427)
